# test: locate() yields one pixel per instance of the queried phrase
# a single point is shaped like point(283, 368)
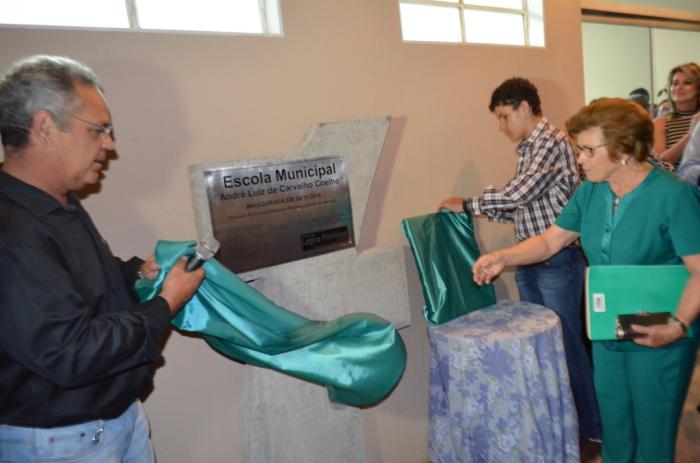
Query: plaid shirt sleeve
point(536, 173)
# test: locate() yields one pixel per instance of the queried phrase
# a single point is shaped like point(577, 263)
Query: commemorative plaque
point(268, 214)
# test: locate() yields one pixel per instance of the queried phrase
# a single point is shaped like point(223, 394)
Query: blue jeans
point(557, 283)
point(125, 439)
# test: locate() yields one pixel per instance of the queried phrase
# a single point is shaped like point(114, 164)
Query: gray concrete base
point(290, 421)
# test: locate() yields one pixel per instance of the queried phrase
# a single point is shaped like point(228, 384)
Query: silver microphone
point(204, 251)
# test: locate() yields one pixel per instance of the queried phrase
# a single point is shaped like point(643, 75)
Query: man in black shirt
point(76, 348)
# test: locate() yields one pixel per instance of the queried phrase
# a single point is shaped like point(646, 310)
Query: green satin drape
point(445, 250)
point(359, 357)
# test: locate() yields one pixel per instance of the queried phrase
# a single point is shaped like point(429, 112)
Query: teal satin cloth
point(359, 357)
point(445, 250)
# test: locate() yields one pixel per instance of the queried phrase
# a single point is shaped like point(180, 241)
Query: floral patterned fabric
point(499, 388)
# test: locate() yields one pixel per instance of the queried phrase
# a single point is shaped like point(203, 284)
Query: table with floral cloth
point(499, 388)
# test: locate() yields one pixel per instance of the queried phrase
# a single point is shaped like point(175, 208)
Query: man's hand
point(454, 204)
point(150, 268)
point(179, 286)
point(488, 267)
point(658, 335)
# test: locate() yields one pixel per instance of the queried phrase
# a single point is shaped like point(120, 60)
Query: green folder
point(613, 290)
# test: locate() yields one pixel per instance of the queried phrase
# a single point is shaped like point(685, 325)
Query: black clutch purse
point(623, 330)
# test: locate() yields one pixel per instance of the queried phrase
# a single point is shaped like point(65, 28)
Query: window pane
point(77, 13)
point(535, 19)
point(200, 15)
point(273, 17)
point(491, 27)
point(430, 23)
point(514, 4)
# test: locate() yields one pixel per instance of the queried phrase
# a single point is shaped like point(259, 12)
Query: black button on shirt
point(75, 345)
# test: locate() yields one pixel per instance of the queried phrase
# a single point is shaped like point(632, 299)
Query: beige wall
point(616, 59)
point(619, 58)
point(680, 5)
point(183, 99)
point(669, 49)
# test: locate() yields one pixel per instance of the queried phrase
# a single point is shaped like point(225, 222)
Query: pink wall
point(184, 99)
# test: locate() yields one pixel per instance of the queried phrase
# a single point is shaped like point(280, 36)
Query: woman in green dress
point(628, 212)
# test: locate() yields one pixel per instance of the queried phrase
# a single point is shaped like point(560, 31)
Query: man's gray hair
point(35, 83)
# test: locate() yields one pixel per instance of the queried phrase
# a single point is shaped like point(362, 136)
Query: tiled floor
point(688, 444)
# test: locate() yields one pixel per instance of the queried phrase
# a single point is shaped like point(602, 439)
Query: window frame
point(270, 18)
point(462, 5)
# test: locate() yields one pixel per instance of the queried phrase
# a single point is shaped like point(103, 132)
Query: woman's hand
point(488, 267)
point(687, 311)
point(658, 335)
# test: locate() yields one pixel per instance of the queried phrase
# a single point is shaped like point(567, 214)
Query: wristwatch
point(681, 323)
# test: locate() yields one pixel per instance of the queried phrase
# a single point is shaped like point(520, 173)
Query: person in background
point(641, 97)
point(663, 108)
point(672, 130)
point(76, 350)
point(545, 179)
point(628, 212)
point(689, 168)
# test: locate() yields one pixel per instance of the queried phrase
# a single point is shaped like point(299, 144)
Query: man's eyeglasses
point(98, 129)
point(588, 150)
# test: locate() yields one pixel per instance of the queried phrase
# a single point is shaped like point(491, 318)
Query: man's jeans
point(125, 439)
point(557, 283)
